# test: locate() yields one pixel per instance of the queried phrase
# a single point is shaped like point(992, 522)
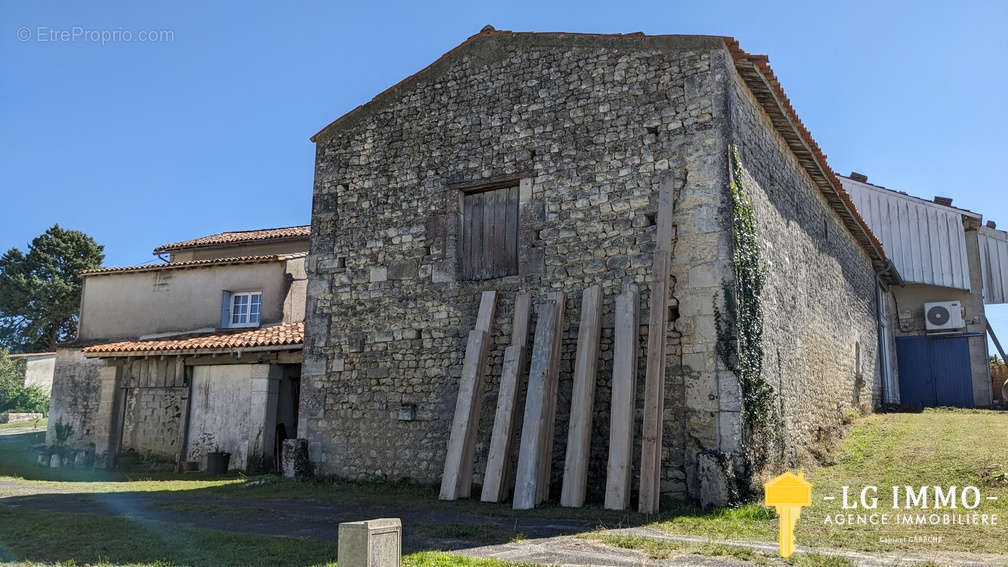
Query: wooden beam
point(654, 389)
point(484, 322)
point(546, 475)
point(500, 440)
point(575, 476)
point(624, 397)
point(499, 470)
point(654, 382)
point(462, 423)
point(536, 409)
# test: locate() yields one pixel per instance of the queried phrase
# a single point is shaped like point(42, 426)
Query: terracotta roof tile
point(240, 237)
point(759, 77)
point(193, 264)
point(278, 335)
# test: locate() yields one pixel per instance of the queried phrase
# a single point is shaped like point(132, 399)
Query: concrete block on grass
point(370, 543)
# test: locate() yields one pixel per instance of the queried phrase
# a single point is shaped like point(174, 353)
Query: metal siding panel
point(994, 269)
point(960, 260)
point(933, 247)
point(987, 255)
point(989, 292)
point(920, 251)
point(927, 249)
point(890, 224)
point(1002, 248)
point(905, 232)
point(964, 256)
point(993, 284)
point(955, 252)
point(991, 267)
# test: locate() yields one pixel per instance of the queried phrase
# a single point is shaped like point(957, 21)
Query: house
point(934, 323)
point(207, 343)
point(533, 163)
point(39, 368)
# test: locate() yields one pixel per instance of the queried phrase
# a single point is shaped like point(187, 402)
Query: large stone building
point(206, 344)
point(554, 147)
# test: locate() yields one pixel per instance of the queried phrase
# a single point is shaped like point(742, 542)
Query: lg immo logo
point(912, 506)
point(788, 493)
point(909, 506)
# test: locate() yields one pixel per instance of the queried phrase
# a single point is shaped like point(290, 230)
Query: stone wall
point(39, 371)
point(76, 393)
point(589, 128)
point(819, 296)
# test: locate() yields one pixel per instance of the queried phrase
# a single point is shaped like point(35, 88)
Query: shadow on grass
point(158, 518)
point(19, 460)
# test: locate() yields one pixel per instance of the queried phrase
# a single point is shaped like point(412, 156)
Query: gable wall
point(591, 129)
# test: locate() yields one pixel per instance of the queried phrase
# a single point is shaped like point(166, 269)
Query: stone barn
point(554, 148)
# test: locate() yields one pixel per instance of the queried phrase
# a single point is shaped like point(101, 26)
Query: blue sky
point(139, 143)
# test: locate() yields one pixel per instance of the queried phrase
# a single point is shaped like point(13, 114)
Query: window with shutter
point(489, 233)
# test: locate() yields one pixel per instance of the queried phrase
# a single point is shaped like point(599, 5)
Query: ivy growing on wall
point(739, 328)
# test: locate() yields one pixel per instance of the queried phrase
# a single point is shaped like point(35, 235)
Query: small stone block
point(370, 543)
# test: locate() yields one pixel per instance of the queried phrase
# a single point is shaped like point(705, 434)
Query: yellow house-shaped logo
point(788, 488)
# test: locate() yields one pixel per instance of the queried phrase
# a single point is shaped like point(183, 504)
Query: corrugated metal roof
point(925, 241)
point(994, 264)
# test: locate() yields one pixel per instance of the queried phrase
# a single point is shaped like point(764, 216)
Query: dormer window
point(241, 309)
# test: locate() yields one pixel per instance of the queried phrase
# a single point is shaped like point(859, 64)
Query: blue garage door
point(934, 371)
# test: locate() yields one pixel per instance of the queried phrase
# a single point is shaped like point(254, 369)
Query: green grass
point(936, 447)
point(476, 533)
point(17, 461)
point(439, 559)
point(39, 425)
point(53, 538)
point(940, 447)
point(664, 549)
point(46, 538)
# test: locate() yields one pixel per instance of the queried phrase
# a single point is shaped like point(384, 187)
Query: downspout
point(880, 332)
point(883, 344)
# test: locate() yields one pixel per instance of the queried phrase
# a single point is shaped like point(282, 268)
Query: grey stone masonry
point(819, 298)
point(588, 128)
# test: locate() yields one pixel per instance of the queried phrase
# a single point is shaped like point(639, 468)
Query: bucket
point(217, 463)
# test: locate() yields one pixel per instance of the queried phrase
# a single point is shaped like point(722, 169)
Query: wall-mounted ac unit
point(943, 316)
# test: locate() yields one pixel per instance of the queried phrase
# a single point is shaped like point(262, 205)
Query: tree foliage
point(14, 394)
point(40, 291)
point(12, 371)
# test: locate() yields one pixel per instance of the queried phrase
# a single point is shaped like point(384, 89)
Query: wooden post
point(498, 470)
point(624, 397)
point(456, 481)
point(536, 409)
point(519, 336)
point(545, 476)
point(575, 476)
point(455, 456)
point(500, 440)
point(484, 322)
point(654, 381)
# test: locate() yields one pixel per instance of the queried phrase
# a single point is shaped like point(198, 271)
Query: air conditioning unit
point(943, 316)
